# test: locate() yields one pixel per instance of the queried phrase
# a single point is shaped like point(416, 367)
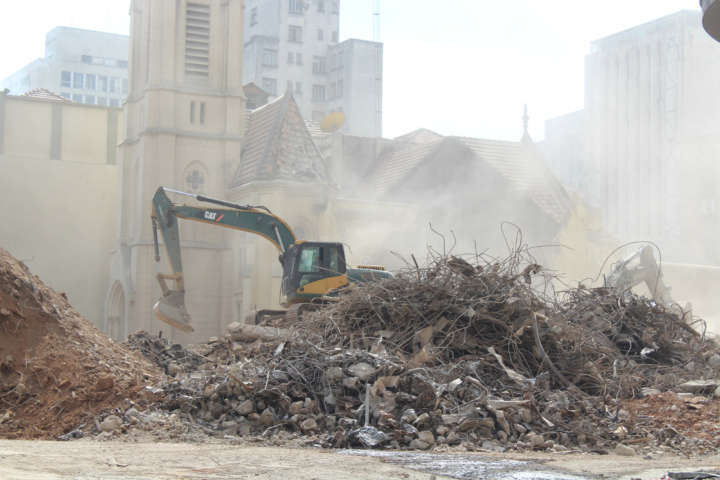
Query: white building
point(651, 137)
point(82, 65)
point(293, 45)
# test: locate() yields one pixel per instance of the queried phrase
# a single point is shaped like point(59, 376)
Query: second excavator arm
point(165, 214)
point(640, 267)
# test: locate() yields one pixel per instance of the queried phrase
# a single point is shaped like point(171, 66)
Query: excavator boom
point(170, 308)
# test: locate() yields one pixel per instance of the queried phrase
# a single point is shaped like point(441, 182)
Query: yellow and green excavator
point(311, 270)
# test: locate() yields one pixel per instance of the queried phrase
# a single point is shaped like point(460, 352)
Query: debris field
point(473, 353)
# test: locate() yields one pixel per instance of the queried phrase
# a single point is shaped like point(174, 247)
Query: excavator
point(311, 270)
point(640, 267)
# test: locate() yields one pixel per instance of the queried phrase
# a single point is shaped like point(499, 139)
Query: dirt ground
point(83, 460)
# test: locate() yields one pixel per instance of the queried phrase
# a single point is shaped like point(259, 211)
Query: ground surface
point(84, 460)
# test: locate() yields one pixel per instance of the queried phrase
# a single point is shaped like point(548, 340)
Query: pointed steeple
point(526, 135)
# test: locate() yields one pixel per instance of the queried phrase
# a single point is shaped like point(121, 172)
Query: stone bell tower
point(185, 117)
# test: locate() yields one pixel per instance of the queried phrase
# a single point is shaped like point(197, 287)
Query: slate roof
point(521, 165)
point(277, 145)
point(516, 162)
point(45, 94)
point(395, 164)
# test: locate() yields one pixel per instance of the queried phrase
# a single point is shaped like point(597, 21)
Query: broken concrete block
point(361, 370)
point(698, 386)
point(309, 425)
point(334, 373)
point(419, 445)
point(408, 416)
point(624, 450)
point(245, 408)
point(112, 423)
point(427, 437)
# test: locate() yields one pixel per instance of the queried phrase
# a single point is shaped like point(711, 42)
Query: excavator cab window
point(312, 261)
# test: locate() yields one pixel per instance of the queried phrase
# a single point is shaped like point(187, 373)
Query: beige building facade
point(59, 182)
point(185, 118)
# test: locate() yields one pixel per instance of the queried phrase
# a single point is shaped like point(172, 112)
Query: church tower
point(184, 124)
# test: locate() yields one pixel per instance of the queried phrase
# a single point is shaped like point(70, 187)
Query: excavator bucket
point(171, 310)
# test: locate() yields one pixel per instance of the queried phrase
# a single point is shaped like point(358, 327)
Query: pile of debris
point(454, 353)
point(57, 371)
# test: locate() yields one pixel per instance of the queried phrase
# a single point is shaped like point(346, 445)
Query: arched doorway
point(115, 322)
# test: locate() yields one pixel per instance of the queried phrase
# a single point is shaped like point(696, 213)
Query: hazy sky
point(459, 67)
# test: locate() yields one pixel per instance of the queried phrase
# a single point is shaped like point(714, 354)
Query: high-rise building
point(292, 45)
point(651, 134)
point(84, 66)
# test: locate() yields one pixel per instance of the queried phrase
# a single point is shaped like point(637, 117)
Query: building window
point(114, 87)
point(253, 16)
point(90, 81)
point(335, 36)
point(125, 86)
point(298, 58)
point(332, 90)
point(65, 79)
point(202, 113)
point(319, 65)
point(102, 83)
point(86, 59)
point(270, 58)
point(66, 95)
point(291, 58)
point(114, 102)
point(122, 63)
point(318, 93)
point(294, 33)
point(192, 112)
point(197, 39)
point(77, 80)
point(339, 91)
point(296, 6)
point(321, 6)
point(102, 101)
point(334, 7)
point(76, 97)
point(298, 88)
point(269, 85)
point(321, 34)
point(340, 60)
point(90, 99)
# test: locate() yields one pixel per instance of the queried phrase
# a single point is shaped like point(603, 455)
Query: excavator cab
point(312, 269)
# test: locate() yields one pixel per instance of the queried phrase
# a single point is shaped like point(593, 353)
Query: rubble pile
point(456, 353)
point(171, 358)
point(57, 371)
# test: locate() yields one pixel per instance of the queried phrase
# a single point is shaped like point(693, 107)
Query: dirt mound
point(57, 371)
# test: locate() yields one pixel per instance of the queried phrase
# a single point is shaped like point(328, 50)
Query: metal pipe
point(203, 198)
point(155, 239)
point(279, 238)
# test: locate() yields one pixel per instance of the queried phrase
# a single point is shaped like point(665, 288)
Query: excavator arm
point(640, 267)
point(165, 214)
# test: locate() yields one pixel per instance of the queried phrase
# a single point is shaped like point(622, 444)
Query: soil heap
point(57, 371)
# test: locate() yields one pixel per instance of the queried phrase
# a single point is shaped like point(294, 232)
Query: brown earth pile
point(456, 353)
point(57, 371)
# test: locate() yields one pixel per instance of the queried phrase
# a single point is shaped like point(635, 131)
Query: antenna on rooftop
point(376, 21)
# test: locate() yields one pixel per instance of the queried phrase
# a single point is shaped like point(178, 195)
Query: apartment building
point(293, 45)
point(84, 66)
